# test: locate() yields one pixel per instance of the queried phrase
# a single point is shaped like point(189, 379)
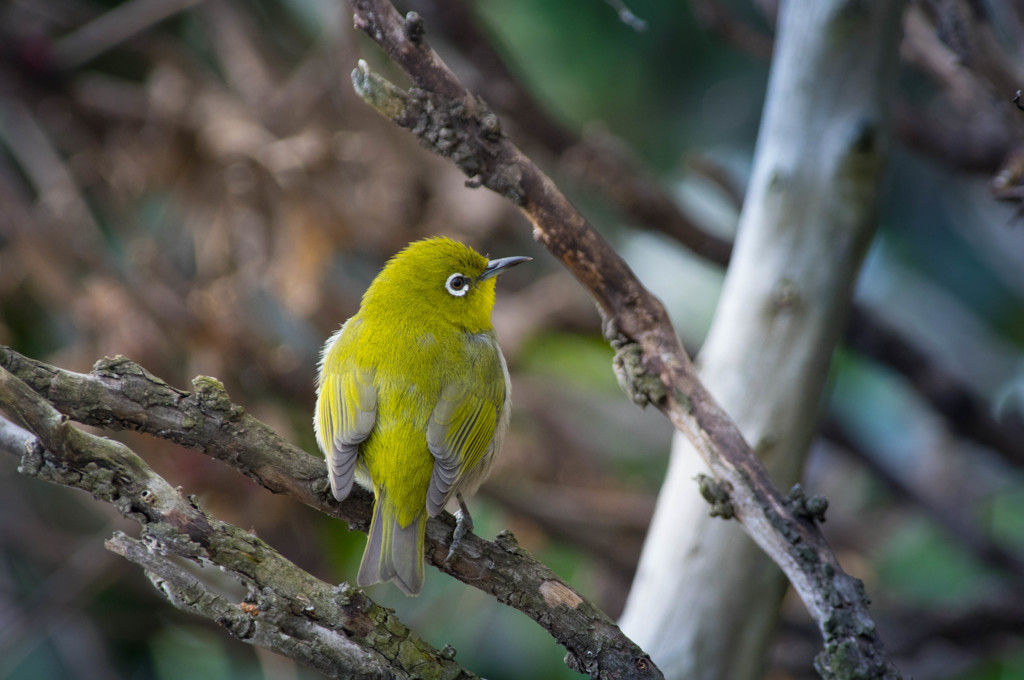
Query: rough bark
point(119, 394)
point(337, 630)
point(705, 599)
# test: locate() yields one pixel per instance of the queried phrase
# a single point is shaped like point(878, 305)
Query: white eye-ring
point(457, 284)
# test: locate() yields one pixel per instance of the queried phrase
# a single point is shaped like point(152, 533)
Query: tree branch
point(809, 214)
point(972, 537)
point(965, 412)
point(604, 162)
point(600, 160)
point(264, 620)
point(337, 630)
point(119, 394)
point(453, 123)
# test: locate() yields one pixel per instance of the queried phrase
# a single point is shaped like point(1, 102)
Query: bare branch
point(268, 622)
point(605, 163)
point(119, 394)
point(337, 630)
point(451, 122)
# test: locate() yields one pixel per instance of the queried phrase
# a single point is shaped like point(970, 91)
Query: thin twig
point(627, 17)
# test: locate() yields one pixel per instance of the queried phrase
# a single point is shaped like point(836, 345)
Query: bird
point(413, 400)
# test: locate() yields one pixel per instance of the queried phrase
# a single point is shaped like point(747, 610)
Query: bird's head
point(440, 279)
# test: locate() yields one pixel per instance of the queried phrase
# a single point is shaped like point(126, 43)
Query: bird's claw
point(463, 525)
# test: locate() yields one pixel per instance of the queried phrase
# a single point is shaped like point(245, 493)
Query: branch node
point(462, 129)
point(808, 507)
point(506, 540)
point(212, 396)
point(716, 493)
point(33, 460)
point(119, 366)
point(321, 487)
point(640, 386)
point(785, 296)
point(414, 27)
point(388, 99)
point(490, 124)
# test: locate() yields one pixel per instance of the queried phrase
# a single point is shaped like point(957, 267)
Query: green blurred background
point(208, 196)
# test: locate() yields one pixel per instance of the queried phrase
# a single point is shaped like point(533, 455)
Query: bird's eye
point(457, 285)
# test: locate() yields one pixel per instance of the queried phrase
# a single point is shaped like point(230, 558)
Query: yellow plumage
point(412, 398)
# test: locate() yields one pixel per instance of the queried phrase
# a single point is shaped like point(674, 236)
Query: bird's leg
point(463, 525)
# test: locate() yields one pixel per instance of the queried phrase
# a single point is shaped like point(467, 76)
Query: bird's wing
point(346, 408)
point(463, 424)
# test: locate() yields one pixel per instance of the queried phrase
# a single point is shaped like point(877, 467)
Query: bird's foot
point(463, 525)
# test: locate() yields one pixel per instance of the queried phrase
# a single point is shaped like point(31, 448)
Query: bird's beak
point(495, 267)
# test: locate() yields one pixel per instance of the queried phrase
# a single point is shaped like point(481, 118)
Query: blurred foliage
point(921, 566)
point(587, 66)
point(209, 197)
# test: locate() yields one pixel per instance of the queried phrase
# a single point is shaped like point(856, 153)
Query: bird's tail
point(393, 552)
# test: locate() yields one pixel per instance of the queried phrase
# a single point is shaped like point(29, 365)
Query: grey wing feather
point(446, 461)
point(345, 449)
point(346, 410)
point(469, 407)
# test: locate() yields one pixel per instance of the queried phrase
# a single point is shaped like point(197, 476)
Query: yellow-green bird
point(413, 399)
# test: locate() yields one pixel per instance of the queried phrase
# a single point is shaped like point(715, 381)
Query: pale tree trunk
point(705, 599)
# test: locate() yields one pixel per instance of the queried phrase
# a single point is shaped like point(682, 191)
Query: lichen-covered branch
point(450, 121)
point(268, 621)
point(337, 630)
point(119, 394)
